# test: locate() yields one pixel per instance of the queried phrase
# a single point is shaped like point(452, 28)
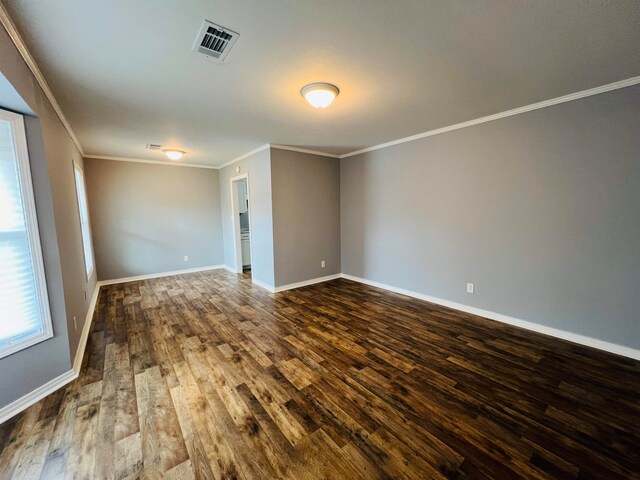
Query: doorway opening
point(241, 224)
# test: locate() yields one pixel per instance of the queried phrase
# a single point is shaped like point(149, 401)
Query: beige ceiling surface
point(124, 73)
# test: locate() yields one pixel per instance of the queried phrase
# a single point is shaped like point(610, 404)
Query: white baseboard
point(257, 283)
point(39, 393)
point(161, 274)
point(35, 395)
point(272, 289)
point(535, 327)
point(82, 344)
point(51, 386)
point(307, 282)
point(266, 286)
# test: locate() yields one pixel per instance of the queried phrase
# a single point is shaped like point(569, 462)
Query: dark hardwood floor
point(203, 375)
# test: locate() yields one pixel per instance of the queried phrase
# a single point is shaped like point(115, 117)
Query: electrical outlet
point(186, 258)
point(469, 287)
point(323, 264)
point(75, 323)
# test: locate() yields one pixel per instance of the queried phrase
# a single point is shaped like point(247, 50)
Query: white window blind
point(24, 307)
point(83, 209)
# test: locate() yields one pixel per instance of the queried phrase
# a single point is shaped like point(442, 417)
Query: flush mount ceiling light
point(173, 154)
point(319, 95)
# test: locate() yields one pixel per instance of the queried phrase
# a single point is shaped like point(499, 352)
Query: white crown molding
point(303, 150)
point(246, 155)
point(535, 327)
point(516, 111)
point(17, 40)
point(153, 162)
point(277, 147)
point(497, 116)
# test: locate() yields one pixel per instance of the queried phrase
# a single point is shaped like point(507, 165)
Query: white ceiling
point(124, 73)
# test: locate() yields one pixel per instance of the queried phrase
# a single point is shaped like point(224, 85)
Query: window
point(83, 210)
point(24, 307)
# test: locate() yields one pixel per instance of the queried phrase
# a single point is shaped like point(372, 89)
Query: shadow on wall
point(50, 150)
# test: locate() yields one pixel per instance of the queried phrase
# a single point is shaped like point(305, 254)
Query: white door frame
point(235, 214)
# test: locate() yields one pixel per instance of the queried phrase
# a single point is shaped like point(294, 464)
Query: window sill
point(26, 343)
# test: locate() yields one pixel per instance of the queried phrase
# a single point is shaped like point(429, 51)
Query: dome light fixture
point(173, 154)
point(320, 95)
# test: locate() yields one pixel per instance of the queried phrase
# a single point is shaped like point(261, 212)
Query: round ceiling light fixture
point(320, 95)
point(173, 154)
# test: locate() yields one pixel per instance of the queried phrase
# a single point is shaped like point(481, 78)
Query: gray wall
point(258, 166)
point(306, 215)
point(145, 218)
point(539, 210)
point(51, 153)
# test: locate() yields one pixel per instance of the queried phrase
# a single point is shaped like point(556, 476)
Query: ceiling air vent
point(153, 146)
point(215, 41)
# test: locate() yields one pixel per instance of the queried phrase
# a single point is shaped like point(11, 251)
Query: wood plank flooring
point(206, 376)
